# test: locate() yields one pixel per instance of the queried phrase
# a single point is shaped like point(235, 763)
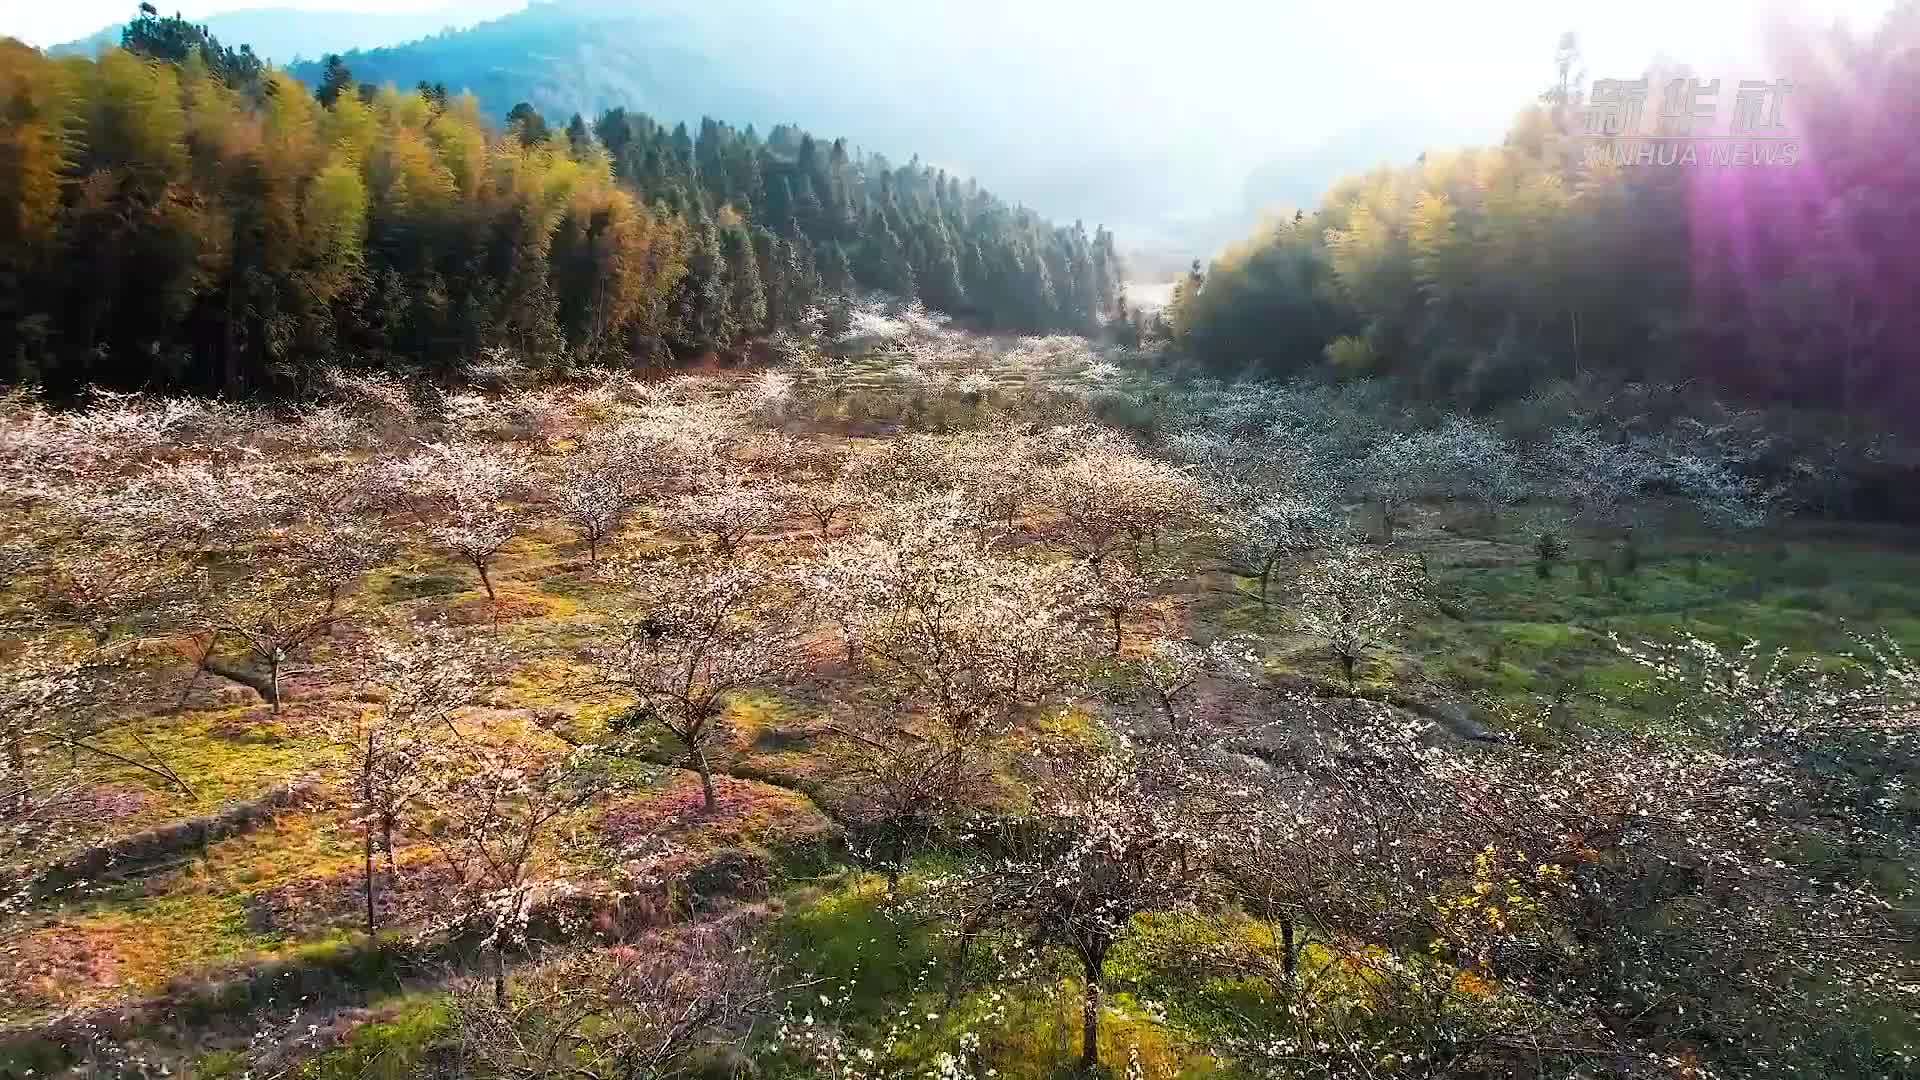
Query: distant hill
point(284, 35)
point(565, 60)
point(823, 67)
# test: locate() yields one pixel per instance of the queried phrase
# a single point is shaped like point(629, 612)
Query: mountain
point(896, 84)
point(565, 60)
point(285, 35)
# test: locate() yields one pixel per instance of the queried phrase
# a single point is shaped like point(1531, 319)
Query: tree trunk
point(17, 761)
point(593, 549)
point(706, 778)
point(1288, 957)
point(954, 977)
point(366, 830)
point(486, 582)
point(273, 680)
point(893, 864)
point(367, 836)
point(1346, 663)
point(1090, 1018)
point(1573, 321)
point(1115, 616)
point(500, 975)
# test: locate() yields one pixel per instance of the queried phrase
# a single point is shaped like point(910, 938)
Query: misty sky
point(1198, 108)
point(1187, 102)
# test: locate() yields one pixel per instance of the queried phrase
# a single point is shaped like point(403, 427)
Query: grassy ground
point(1499, 633)
point(1507, 636)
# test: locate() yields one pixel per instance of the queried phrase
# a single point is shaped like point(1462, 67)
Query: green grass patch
point(396, 1048)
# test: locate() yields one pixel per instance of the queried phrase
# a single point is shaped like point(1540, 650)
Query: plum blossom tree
point(1472, 460)
point(250, 550)
point(708, 633)
point(1510, 901)
point(960, 640)
point(40, 693)
point(196, 505)
point(294, 595)
point(725, 514)
point(823, 499)
point(1596, 476)
point(1266, 528)
point(633, 1012)
point(1355, 599)
point(392, 748)
point(1167, 671)
point(897, 784)
point(909, 469)
point(1000, 472)
point(326, 428)
point(1398, 469)
point(1111, 502)
point(1118, 590)
point(117, 586)
point(1724, 495)
point(771, 397)
point(596, 491)
point(464, 497)
point(841, 585)
point(56, 704)
point(963, 635)
point(1112, 835)
point(381, 399)
point(497, 804)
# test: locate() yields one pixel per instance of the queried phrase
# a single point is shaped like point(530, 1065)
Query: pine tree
point(749, 297)
point(526, 122)
point(335, 80)
point(884, 264)
point(836, 270)
point(578, 138)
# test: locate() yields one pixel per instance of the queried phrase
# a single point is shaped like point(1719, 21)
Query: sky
point(44, 24)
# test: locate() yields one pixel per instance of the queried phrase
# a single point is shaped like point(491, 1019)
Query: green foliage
point(174, 40)
point(1482, 275)
point(222, 237)
point(1522, 637)
point(174, 214)
point(853, 936)
point(910, 230)
point(392, 1049)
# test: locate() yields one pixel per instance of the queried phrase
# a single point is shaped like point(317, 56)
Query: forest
point(1478, 276)
point(499, 599)
point(181, 216)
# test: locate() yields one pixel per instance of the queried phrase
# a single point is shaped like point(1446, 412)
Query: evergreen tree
point(578, 138)
point(706, 303)
point(884, 262)
point(527, 124)
point(335, 80)
point(749, 295)
point(173, 39)
point(836, 270)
